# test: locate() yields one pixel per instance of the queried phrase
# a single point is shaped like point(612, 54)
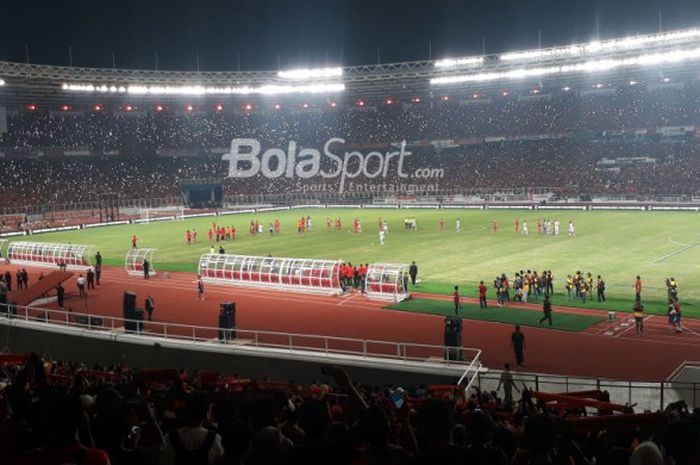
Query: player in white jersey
point(556, 227)
point(458, 226)
point(524, 228)
point(382, 234)
point(385, 227)
point(572, 229)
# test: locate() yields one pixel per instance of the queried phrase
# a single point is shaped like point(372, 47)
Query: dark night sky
point(305, 32)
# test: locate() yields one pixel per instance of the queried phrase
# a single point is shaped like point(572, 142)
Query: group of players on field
point(545, 227)
point(579, 286)
point(525, 284)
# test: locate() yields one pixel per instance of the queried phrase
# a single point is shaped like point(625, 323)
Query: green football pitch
point(616, 244)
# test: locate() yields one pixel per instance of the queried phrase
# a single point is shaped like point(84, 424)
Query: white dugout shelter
point(387, 281)
point(294, 274)
point(49, 254)
point(133, 263)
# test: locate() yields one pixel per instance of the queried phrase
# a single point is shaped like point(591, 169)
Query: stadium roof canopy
point(648, 58)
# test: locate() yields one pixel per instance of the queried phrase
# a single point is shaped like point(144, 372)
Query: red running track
point(592, 353)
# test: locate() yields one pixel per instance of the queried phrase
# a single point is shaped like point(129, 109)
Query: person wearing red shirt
point(457, 300)
point(134, 239)
point(233, 233)
point(188, 237)
point(210, 234)
point(362, 273)
point(482, 295)
point(349, 274)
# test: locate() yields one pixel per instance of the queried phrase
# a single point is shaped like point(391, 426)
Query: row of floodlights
point(272, 89)
point(580, 50)
point(322, 88)
point(218, 107)
point(602, 65)
point(333, 104)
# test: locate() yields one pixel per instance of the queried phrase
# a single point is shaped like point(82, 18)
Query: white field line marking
point(689, 330)
point(352, 296)
point(671, 254)
point(632, 326)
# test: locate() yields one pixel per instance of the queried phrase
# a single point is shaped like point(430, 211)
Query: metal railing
point(466, 361)
point(644, 395)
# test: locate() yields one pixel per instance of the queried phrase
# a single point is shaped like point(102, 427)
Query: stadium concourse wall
point(405, 204)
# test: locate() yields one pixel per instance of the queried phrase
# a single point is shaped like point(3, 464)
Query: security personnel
point(413, 271)
point(600, 286)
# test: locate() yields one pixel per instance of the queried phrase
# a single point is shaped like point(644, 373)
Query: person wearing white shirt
point(81, 286)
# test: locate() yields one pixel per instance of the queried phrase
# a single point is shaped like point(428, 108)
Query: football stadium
point(485, 256)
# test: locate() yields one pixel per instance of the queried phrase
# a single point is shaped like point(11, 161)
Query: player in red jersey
point(278, 226)
point(442, 225)
point(210, 234)
point(188, 237)
point(494, 226)
point(517, 226)
point(134, 240)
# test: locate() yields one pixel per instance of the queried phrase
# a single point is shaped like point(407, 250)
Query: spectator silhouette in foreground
point(61, 418)
point(192, 443)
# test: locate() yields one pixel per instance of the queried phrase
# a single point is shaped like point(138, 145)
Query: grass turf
point(617, 244)
point(514, 316)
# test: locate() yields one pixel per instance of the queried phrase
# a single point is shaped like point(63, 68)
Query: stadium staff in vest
point(192, 443)
point(146, 269)
point(413, 272)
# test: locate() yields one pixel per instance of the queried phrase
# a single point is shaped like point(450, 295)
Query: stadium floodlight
point(310, 73)
point(456, 62)
point(591, 66)
point(202, 90)
point(594, 47)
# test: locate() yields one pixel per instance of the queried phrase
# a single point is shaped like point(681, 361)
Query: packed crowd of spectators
point(57, 412)
point(141, 130)
point(534, 140)
point(566, 165)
